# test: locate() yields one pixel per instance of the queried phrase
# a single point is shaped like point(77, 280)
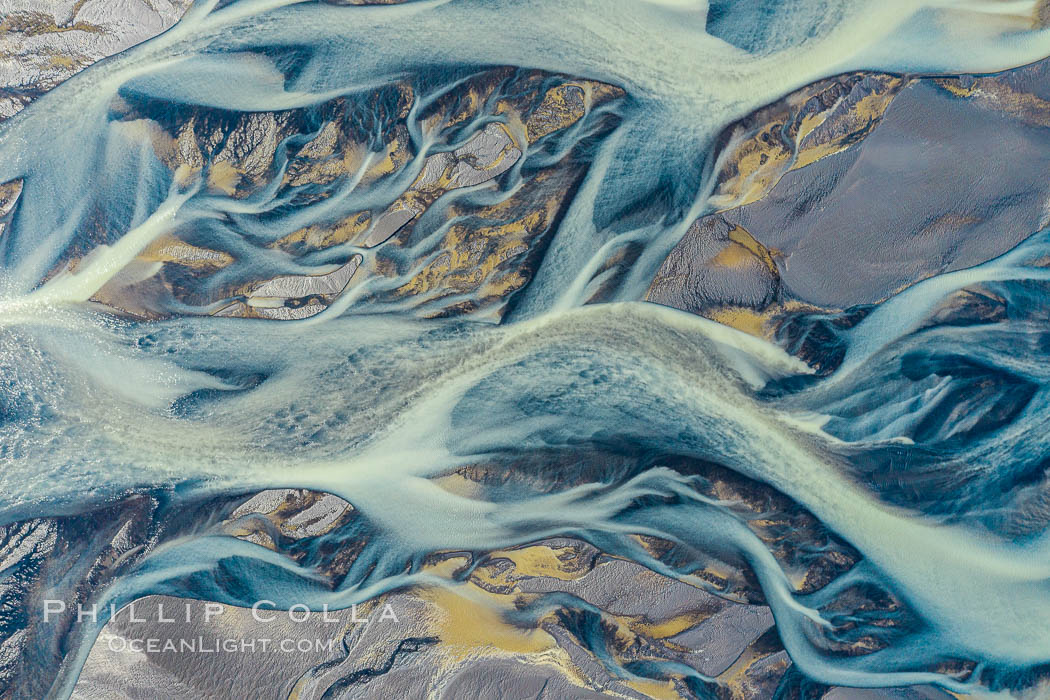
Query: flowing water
point(385, 397)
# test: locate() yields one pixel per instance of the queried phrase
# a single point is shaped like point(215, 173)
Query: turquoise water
point(94, 405)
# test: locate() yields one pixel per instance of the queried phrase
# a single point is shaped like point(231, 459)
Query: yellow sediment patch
point(59, 61)
point(812, 155)
point(318, 236)
point(224, 176)
point(319, 163)
point(744, 248)
point(167, 248)
point(394, 157)
point(742, 237)
point(513, 116)
point(184, 174)
point(32, 23)
point(868, 111)
point(733, 255)
point(955, 86)
point(735, 677)
point(671, 627)
point(471, 256)
point(993, 93)
point(458, 484)
point(469, 106)
point(469, 622)
point(658, 690)
point(758, 162)
point(809, 123)
point(555, 112)
point(561, 563)
point(743, 319)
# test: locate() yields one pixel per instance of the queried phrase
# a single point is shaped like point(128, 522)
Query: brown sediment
point(479, 264)
point(812, 123)
point(33, 23)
